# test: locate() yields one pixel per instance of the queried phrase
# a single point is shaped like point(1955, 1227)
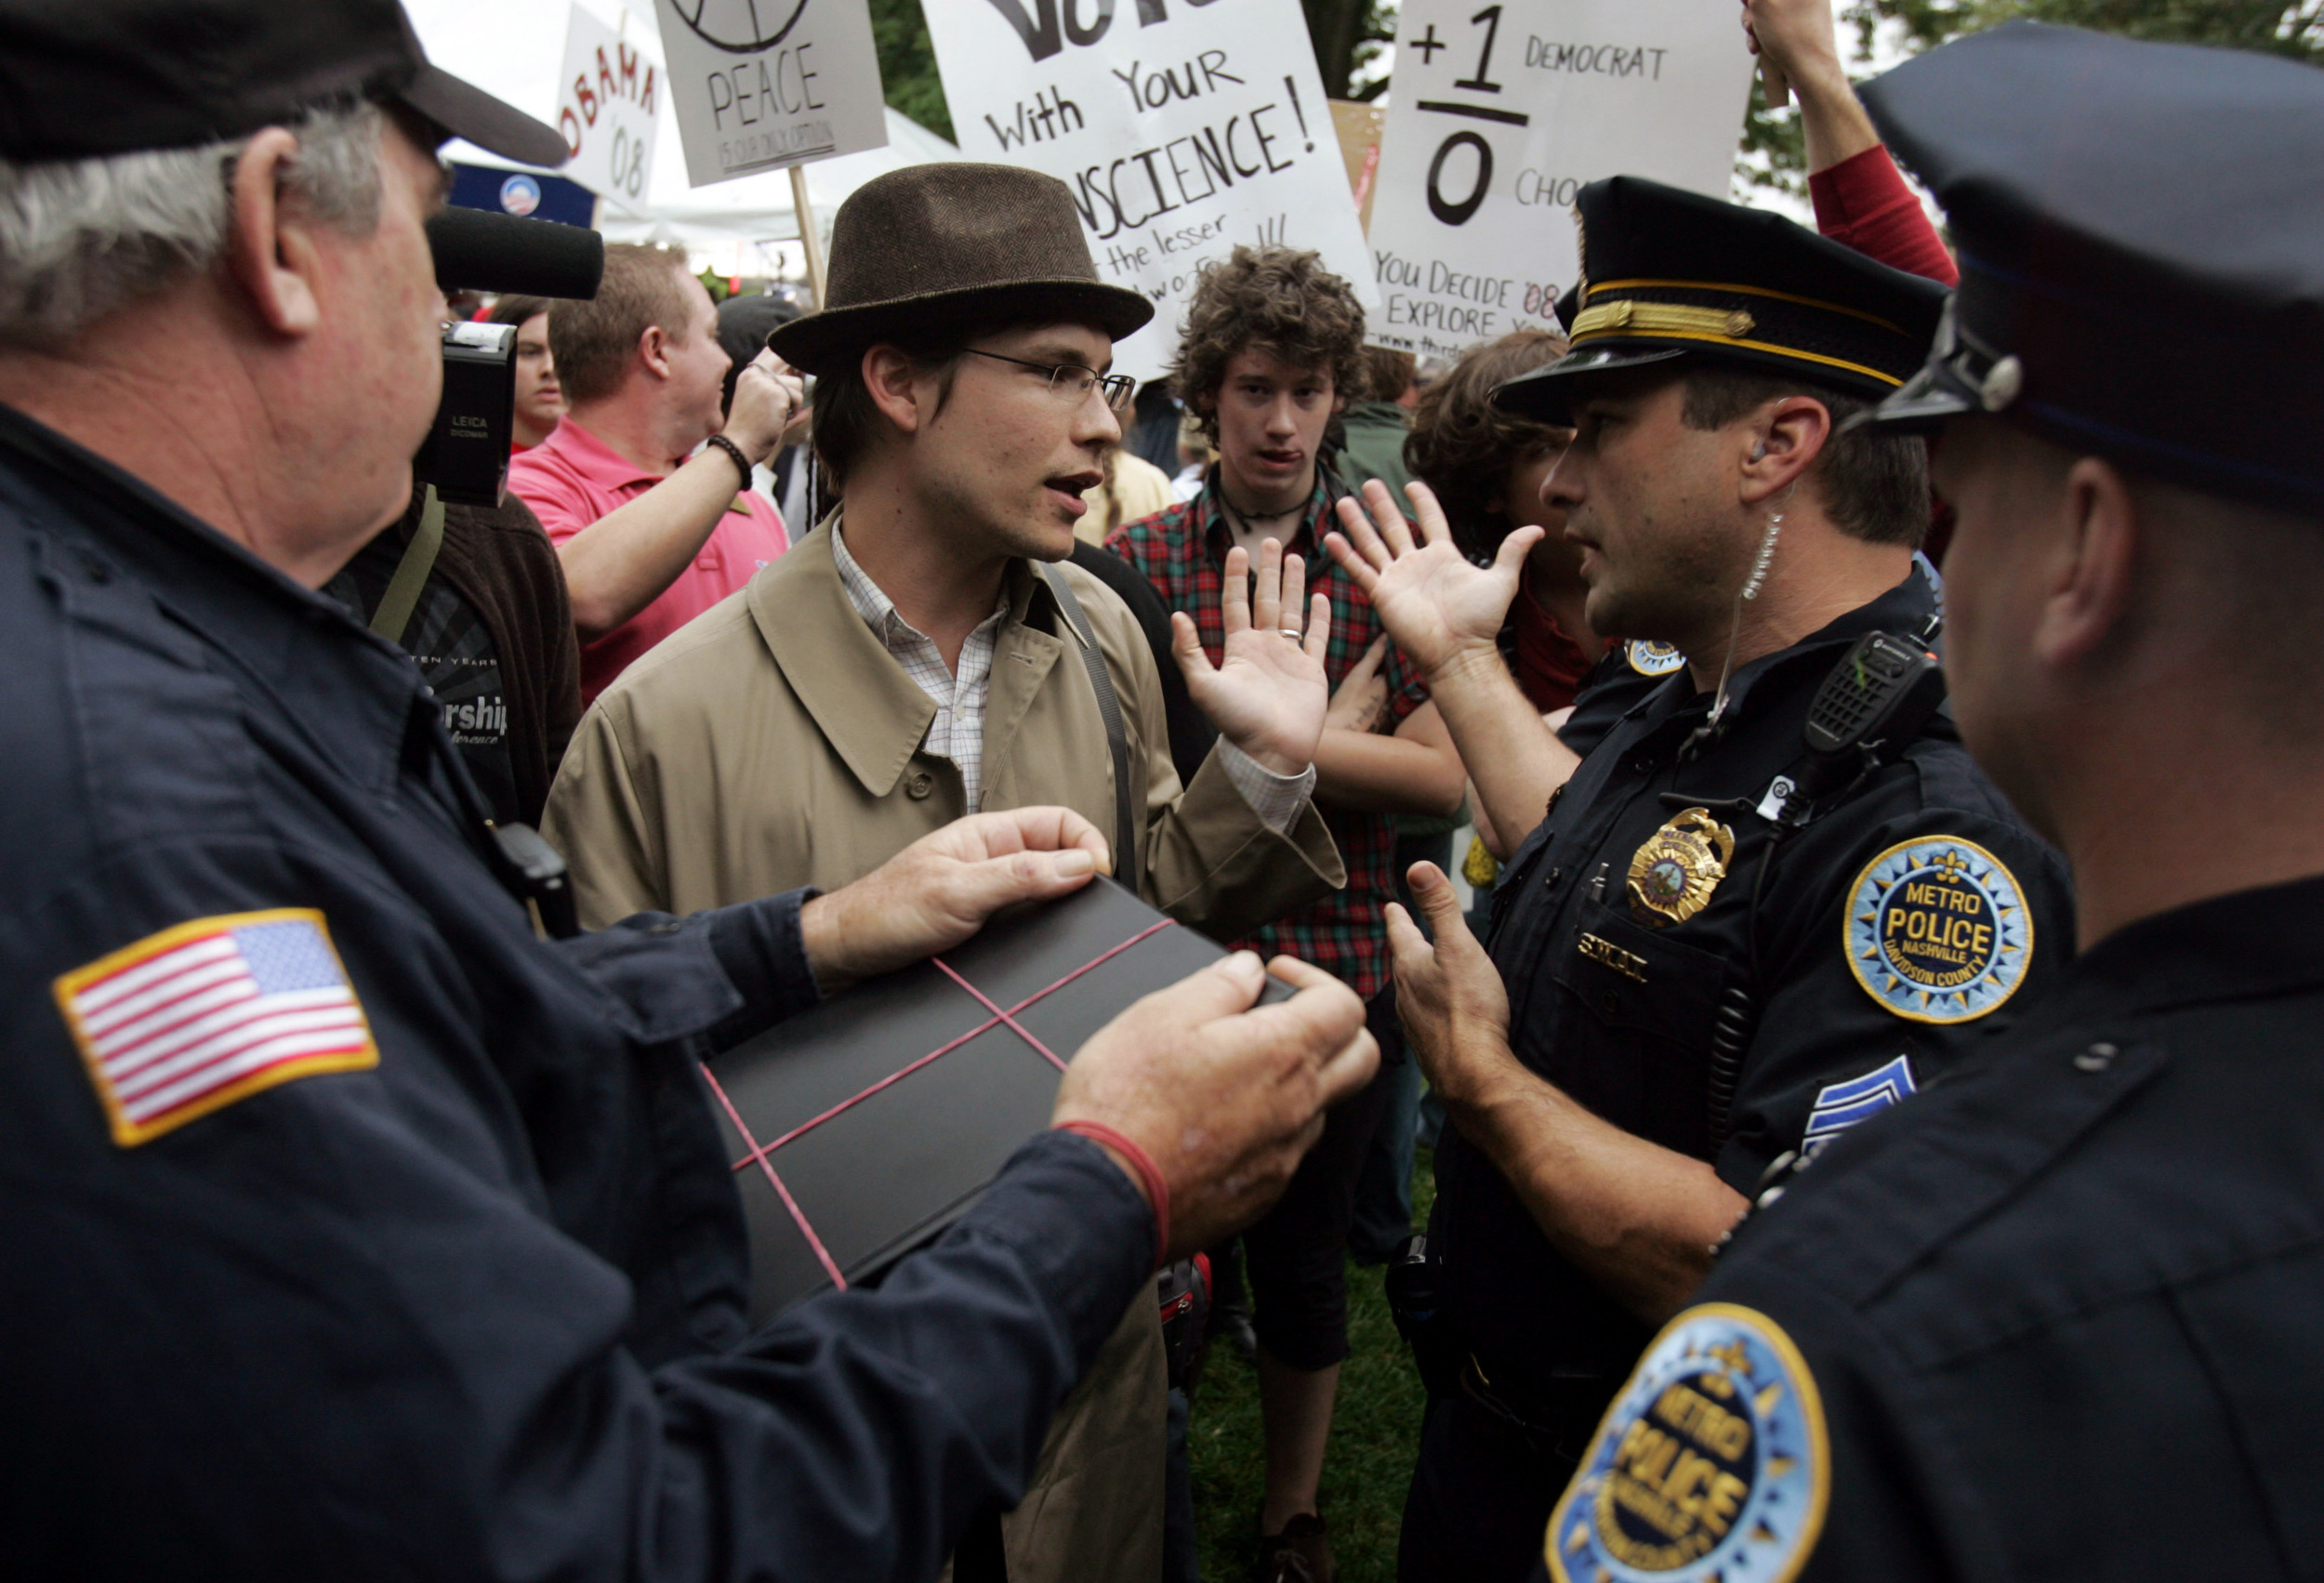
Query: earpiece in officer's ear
point(1759, 450)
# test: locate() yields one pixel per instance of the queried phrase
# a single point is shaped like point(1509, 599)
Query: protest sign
point(608, 99)
point(1502, 115)
point(761, 85)
point(1182, 126)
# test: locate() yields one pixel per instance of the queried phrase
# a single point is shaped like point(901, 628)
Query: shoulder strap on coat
point(1127, 844)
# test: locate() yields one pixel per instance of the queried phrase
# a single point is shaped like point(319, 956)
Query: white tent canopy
point(513, 48)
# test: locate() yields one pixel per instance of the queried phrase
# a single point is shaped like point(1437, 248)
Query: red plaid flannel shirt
point(1182, 553)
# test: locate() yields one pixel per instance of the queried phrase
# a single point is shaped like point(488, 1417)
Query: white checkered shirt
point(958, 732)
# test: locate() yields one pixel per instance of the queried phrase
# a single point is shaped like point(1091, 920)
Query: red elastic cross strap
point(1148, 1172)
point(760, 1154)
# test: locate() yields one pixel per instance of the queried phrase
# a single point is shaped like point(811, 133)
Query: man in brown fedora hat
point(921, 655)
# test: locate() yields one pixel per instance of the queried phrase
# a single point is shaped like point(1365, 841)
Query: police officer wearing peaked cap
point(2056, 1318)
point(1718, 951)
point(352, 1231)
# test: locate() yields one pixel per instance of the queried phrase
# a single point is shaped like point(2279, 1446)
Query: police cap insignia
point(1938, 931)
point(1713, 1463)
point(1654, 659)
point(1672, 876)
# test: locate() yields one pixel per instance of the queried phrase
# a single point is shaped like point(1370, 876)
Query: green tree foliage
point(2281, 27)
point(1771, 154)
point(1347, 35)
point(907, 64)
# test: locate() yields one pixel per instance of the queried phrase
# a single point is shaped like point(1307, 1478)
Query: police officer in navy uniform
point(352, 1231)
point(2057, 1318)
point(1718, 950)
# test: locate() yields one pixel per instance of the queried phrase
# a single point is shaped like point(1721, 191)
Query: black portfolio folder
point(861, 1129)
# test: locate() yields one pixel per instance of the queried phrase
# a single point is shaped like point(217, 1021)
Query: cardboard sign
point(764, 84)
point(1502, 115)
point(607, 107)
point(1182, 127)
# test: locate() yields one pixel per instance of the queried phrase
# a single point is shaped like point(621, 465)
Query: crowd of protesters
point(398, 1239)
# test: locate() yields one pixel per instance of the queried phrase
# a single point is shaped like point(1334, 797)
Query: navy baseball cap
point(81, 79)
point(1673, 274)
point(2141, 236)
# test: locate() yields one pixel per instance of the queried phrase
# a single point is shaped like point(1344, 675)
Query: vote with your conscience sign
point(1501, 115)
point(763, 85)
point(1182, 126)
point(608, 99)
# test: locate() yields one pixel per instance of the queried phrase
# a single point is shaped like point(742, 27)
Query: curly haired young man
point(1274, 347)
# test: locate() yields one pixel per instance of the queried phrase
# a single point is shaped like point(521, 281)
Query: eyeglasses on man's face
point(1071, 382)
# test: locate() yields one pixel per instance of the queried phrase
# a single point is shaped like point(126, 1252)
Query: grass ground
point(1373, 1432)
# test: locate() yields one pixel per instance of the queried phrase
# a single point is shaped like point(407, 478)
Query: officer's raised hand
point(940, 890)
point(1639, 1218)
point(1224, 1100)
point(1449, 995)
point(1267, 693)
point(1443, 610)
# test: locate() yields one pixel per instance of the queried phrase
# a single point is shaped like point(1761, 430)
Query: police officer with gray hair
point(2056, 1318)
point(353, 1230)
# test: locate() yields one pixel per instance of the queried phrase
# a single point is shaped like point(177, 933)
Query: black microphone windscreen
point(477, 250)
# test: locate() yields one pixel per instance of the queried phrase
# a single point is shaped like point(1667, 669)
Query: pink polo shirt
point(573, 477)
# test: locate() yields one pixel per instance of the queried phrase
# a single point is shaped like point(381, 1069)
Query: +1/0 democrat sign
point(1502, 113)
point(761, 85)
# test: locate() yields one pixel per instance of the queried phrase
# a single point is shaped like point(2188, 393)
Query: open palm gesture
point(1436, 605)
point(1267, 694)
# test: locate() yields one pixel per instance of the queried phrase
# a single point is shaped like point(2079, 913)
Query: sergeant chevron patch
point(1840, 1106)
point(1713, 1464)
point(1938, 931)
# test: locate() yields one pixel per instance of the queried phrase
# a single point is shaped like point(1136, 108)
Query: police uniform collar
point(2246, 945)
point(154, 534)
point(1904, 608)
point(2142, 262)
point(132, 497)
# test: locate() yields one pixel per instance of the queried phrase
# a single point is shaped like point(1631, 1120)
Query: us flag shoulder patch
point(188, 1020)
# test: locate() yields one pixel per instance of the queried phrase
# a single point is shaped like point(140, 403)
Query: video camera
point(465, 454)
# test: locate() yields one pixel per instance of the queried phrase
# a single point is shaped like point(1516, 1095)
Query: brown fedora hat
point(937, 243)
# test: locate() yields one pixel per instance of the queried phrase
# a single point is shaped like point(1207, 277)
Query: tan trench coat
point(775, 743)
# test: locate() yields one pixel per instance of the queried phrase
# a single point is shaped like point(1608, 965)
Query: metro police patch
point(1654, 659)
point(1938, 931)
point(1713, 1464)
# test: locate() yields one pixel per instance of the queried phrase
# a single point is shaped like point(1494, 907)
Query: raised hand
point(1223, 1098)
point(1267, 693)
point(769, 406)
point(1439, 608)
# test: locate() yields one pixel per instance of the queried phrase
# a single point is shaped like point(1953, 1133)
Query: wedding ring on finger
point(1292, 632)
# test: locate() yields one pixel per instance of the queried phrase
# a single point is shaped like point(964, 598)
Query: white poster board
point(1500, 114)
point(763, 85)
point(1182, 127)
point(608, 101)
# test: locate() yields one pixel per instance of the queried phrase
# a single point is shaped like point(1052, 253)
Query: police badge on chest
point(1671, 878)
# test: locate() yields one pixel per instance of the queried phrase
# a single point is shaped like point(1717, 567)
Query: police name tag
point(1938, 931)
point(1712, 1467)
